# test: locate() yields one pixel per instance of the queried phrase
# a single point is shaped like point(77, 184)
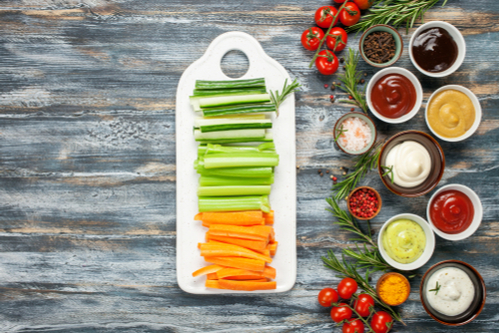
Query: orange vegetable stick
point(259, 245)
point(246, 285)
point(269, 272)
point(257, 232)
point(212, 284)
point(198, 217)
point(237, 262)
point(230, 250)
point(212, 276)
point(207, 270)
point(272, 247)
point(269, 217)
point(251, 217)
point(205, 224)
point(246, 277)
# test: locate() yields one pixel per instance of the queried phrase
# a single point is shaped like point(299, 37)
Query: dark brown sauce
point(434, 50)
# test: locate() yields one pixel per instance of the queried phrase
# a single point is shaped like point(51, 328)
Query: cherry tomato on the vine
point(363, 4)
point(341, 312)
point(336, 39)
point(381, 322)
point(311, 38)
point(353, 325)
point(327, 64)
point(327, 296)
point(347, 287)
point(350, 14)
point(339, 1)
point(324, 16)
point(363, 303)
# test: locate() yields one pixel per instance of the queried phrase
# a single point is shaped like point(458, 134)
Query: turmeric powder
point(393, 289)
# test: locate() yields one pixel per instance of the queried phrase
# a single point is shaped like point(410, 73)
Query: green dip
point(404, 241)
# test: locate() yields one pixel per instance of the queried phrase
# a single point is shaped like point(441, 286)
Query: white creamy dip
point(455, 294)
point(411, 163)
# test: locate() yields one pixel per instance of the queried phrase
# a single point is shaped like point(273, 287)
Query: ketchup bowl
point(394, 95)
point(476, 219)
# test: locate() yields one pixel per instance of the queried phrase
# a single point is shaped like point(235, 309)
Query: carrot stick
point(207, 270)
point(257, 232)
point(246, 285)
point(246, 277)
point(205, 224)
point(212, 276)
point(258, 245)
point(237, 262)
point(198, 217)
point(212, 284)
point(272, 247)
point(235, 218)
point(269, 217)
point(269, 272)
point(230, 250)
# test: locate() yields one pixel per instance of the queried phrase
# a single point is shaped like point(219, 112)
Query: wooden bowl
point(437, 163)
point(376, 194)
point(386, 275)
point(476, 306)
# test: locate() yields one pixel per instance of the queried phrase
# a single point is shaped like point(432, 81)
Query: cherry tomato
point(363, 303)
point(337, 36)
point(311, 38)
point(347, 287)
point(339, 313)
point(381, 322)
point(353, 326)
point(327, 296)
point(363, 4)
point(350, 14)
point(327, 63)
point(339, 1)
point(324, 16)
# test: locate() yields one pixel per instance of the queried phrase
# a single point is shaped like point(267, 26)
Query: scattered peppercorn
point(334, 178)
point(344, 173)
point(342, 61)
point(319, 170)
point(326, 85)
point(362, 81)
point(366, 74)
point(333, 86)
point(298, 167)
point(364, 203)
point(350, 97)
point(343, 67)
point(321, 174)
point(352, 109)
point(327, 171)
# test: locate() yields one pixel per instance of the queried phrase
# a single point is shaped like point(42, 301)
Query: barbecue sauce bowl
point(397, 39)
point(437, 49)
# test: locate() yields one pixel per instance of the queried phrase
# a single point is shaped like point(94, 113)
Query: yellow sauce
point(404, 241)
point(451, 113)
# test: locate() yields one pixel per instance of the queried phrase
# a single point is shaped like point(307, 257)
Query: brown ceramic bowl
point(437, 163)
point(376, 194)
point(377, 288)
point(474, 309)
point(370, 123)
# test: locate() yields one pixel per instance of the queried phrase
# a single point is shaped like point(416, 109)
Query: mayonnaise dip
point(455, 294)
point(411, 163)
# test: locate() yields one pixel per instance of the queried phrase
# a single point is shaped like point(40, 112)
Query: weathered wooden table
point(87, 165)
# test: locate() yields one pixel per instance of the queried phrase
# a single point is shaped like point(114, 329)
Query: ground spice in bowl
point(393, 288)
point(379, 47)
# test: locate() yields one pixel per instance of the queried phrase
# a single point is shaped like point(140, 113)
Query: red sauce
point(452, 212)
point(393, 96)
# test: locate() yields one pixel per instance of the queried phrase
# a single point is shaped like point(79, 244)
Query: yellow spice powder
point(393, 289)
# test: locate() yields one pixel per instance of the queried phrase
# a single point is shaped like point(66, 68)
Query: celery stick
point(233, 190)
point(244, 159)
point(230, 84)
point(268, 138)
point(226, 181)
point(216, 148)
point(217, 101)
point(228, 204)
point(224, 124)
point(251, 172)
point(227, 92)
point(244, 134)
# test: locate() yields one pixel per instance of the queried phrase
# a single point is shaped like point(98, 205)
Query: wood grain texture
point(87, 165)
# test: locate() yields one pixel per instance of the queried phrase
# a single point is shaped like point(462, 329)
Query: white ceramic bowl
point(429, 244)
point(478, 212)
point(457, 37)
point(475, 103)
point(409, 76)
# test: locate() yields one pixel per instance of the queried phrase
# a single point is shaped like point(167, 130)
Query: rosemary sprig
point(437, 288)
point(344, 269)
point(350, 79)
point(277, 98)
point(388, 171)
point(368, 258)
point(339, 131)
point(395, 12)
point(365, 163)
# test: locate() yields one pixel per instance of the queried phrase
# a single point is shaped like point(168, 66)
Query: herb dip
point(404, 240)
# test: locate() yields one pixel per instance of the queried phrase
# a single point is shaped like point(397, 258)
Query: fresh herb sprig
point(341, 130)
point(351, 78)
point(277, 98)
point(436, 289)
point(395, 12)
point(365, 163)
point(345, 269)
point(388, 171)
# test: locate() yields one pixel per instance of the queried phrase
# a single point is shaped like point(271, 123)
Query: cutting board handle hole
point(234, 64)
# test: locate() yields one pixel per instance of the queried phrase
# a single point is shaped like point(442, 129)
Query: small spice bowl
point(367, 120)
point(382, 280)
point(351, 196)
point(477, 304)
point(397, 39)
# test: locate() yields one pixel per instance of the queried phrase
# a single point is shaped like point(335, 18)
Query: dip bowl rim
point(397, 36)
point(366, 118)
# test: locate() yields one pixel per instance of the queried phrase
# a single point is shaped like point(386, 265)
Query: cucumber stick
point(210, 102)
point(246, 134)
point(233, 190)
point(238, 109)
point(267, 138)
point(222, 92)
point(230, 84)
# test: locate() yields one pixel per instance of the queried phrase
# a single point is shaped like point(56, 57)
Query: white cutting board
point(283, 194)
